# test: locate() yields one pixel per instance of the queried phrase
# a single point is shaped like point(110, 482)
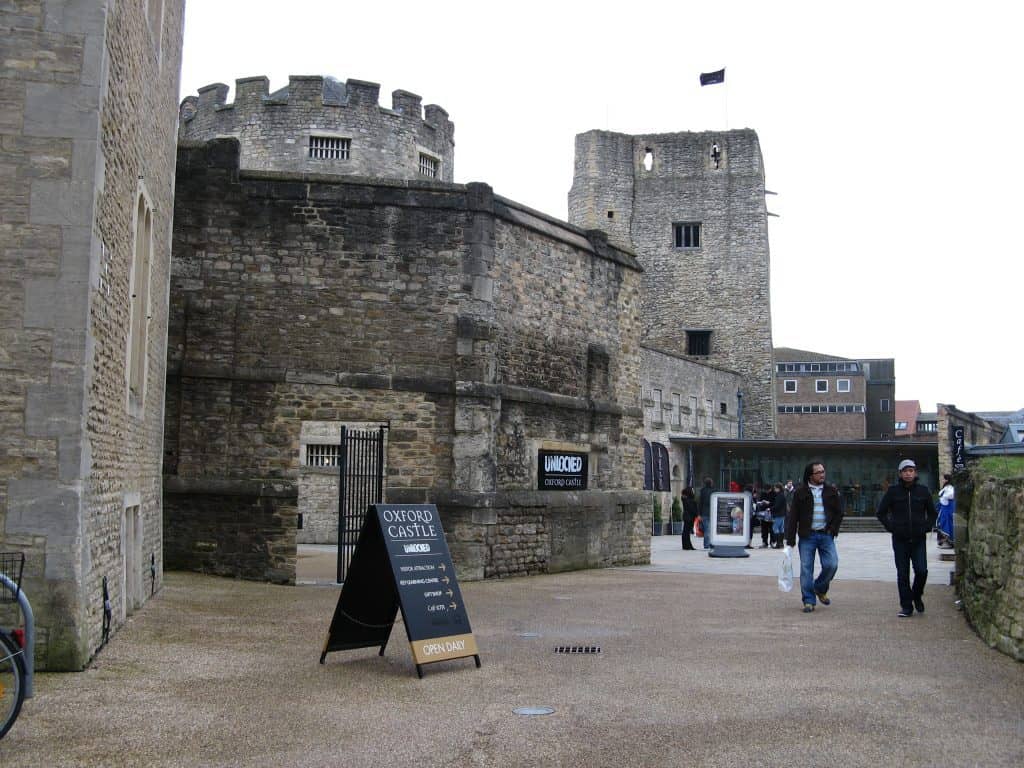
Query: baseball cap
point(907, 463)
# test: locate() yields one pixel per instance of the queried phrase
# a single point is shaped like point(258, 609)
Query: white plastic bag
point(786, 570)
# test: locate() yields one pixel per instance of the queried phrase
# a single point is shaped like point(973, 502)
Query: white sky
point(890, 131)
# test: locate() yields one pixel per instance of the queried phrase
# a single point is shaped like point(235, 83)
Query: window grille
point(687, 234)
point(321, 455)
point(698, 343)
point(329, 148)
point(428, 166)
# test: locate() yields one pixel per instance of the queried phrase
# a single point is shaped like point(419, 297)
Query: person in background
point(705, 510)
point(907, 512)
point(689, 515)
point(780, 508)
point(816, 515)
point(764, 508)
point(947, 504)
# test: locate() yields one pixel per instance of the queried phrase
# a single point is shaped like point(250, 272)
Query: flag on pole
point(711, 78)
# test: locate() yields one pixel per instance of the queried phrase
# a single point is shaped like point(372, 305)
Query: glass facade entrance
point(861, 470)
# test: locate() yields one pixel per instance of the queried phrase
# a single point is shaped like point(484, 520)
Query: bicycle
point(15, 665)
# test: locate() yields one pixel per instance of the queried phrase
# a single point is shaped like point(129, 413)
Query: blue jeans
point(822, 543)
point(907, 552)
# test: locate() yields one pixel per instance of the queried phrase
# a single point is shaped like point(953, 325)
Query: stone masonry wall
point(419, 305)
point(722, 286)
point(87, 127)
point(990, 558)
point(274, 129)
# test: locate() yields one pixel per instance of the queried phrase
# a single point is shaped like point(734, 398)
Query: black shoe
point(905, 613)
point(808, 608)
point(919, 604)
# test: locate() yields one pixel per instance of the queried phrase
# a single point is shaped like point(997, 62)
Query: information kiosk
point(401, 561)
point(729, 526)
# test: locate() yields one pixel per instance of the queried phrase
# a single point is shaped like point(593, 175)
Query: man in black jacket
point(816, 515)
point(908, 513)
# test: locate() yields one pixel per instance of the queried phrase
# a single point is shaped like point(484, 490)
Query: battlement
point(310, 91)
point(276, 129)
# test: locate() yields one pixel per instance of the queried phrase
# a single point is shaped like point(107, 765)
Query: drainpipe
point(739, 426)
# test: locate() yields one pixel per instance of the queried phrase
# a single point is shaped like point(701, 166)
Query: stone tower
point(320, 125)
point(691, 206)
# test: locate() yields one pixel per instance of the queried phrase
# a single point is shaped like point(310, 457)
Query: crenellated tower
point(324, 126)
point(691, 206)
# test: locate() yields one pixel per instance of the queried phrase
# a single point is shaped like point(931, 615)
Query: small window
point(329, 148)
point(789, 385)
point(322, 455)
point(821, 385)
point(722, 409)
point(901, 425)
point(883, 405)
point(698, 343)
point(428, 166)
point(843, 385)
point(687, 235)
point(648, 159)
point(611, 214)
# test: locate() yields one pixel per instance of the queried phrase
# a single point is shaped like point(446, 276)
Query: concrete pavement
point(699, 664)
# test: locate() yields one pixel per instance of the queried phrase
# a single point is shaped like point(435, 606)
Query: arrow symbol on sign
point(453, 606)
point(442, 566)
point(445, 579)
point(450, 593)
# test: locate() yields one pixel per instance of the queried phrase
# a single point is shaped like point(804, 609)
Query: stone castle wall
point(88, 128)
point(722, 286)
point(317, 310)
point(274, 129)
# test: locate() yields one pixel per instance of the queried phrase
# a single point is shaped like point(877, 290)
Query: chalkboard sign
point(401, 561)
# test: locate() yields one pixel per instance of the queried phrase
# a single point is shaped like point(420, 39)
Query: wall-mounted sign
point(402, 562)
point(956, 448)
point(561, 471)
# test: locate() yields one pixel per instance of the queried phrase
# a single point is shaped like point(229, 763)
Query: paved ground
point(703, 662)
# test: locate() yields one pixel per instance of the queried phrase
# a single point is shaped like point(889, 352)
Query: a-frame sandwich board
point(401, 561)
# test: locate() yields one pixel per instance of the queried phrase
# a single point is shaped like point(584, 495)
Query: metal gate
point(361, 475)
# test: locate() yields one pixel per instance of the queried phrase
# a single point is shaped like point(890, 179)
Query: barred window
point(329, 148)
point(428, 166)
point(687, 234)
point(322, 455)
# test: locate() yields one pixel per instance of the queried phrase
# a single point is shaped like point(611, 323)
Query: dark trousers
point(766, 531)
point(687, 530)
point(910, 552)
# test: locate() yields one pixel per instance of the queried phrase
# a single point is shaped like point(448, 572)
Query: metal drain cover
point(530, 711)
point(577, 649)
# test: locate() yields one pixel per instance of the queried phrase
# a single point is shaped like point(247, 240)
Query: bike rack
point(30, 631)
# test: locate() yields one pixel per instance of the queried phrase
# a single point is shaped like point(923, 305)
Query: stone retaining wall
point(990, 558)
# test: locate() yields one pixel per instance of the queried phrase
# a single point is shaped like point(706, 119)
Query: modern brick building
point(826, 397)
point(88, 91)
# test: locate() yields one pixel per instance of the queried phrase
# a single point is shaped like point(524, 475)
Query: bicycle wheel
point(12, 682)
